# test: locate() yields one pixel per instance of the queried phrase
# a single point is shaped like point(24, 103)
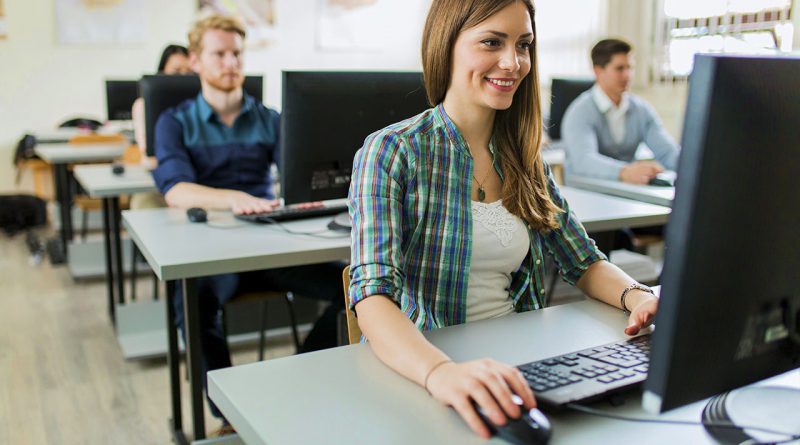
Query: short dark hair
point(168, 52)
point(605, 49)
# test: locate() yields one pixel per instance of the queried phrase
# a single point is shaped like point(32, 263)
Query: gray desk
point(179, 250)
point(662, 196)
point(60, 156)
point(601, 213)
point(100, 182)
point(347, 396)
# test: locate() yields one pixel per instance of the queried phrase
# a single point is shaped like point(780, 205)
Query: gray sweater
point(590, 149)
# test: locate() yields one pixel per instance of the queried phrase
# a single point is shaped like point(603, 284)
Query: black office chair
point(563, 92)
point(162, 91)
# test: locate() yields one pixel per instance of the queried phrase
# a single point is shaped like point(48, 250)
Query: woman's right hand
point(489, 383)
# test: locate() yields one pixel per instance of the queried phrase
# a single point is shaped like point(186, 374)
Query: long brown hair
point(517, 132)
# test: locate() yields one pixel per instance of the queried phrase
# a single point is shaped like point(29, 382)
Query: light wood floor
point(62, 376)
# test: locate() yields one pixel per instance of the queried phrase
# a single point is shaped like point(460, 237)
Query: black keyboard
point(292, 213)
point(589, 374)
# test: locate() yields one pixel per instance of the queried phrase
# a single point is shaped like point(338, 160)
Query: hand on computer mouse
point(532, 427)
point(487, 382)
point(640, 172)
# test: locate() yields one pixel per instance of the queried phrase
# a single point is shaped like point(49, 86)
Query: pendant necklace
point(481, 191)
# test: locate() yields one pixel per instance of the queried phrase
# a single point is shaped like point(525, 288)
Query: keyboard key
point(605, 379)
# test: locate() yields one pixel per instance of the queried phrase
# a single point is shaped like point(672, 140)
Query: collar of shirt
point(441, 118)
point(604, 103)
point(206, 112)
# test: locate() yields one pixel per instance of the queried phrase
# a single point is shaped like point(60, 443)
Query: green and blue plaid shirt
point(412, 225)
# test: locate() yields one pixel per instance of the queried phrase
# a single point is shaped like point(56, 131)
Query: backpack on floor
point(21, 212)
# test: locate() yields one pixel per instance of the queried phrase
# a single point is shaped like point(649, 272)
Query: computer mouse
point(532, 427)
point(659, 182)
point(117, 169)
point(197, 215)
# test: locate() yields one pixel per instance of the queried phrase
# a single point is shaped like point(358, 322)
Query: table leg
point(61, 183)
point(116, 234)
point(173, 361)
point(194, 351)
point(109, 265)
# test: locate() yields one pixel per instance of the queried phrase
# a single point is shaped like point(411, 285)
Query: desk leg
point(63, 197)
point(174, 362)
point(115, 232)
point(194, 351)
point(109, 266)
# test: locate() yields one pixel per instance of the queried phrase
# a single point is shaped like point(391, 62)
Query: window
point(689, 27)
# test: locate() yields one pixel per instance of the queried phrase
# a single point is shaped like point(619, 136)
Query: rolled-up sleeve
point(570, 246)
point(174, 162)
point(375, 202)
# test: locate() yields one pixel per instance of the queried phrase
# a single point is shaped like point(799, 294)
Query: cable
point(317, 234)
point(601, 413)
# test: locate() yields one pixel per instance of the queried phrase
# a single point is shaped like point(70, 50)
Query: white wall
point(43, 82)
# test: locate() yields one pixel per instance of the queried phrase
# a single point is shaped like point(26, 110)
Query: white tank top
point(500, 243)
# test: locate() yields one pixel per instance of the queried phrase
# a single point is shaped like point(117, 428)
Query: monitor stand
point(341, 223)
point(771, 407)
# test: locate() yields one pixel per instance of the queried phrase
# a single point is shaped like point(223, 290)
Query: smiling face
point(491, 59)
point(219, 61)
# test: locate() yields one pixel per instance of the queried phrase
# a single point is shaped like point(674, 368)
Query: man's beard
point(224, 83)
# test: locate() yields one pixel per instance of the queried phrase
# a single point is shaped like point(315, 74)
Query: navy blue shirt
point(193, 145)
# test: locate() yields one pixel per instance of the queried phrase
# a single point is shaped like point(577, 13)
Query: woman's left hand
point(642, 313)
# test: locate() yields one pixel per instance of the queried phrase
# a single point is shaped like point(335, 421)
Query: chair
point(83, 202)
point(164, 91)
point(263, 297)
point(353, 331)
point(563, 92)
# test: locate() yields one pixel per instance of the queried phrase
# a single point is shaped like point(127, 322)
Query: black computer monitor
point(120, 95)
point(163, 91)
point(326, 117)
point(729, 312)
point(563, 92)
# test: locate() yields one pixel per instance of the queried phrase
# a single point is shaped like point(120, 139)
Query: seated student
point(604, 126)
point(174, 60)
point(215, 152)
point(453, 211)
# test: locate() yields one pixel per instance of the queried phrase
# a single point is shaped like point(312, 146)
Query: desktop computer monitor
point(729, 313)
point(163, 91)
point(120, 95)
point(563, 92)
point(326, 117)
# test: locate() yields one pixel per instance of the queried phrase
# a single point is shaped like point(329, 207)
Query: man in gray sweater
point(604, 126)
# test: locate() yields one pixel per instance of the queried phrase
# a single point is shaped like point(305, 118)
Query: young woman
point(453, 211)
